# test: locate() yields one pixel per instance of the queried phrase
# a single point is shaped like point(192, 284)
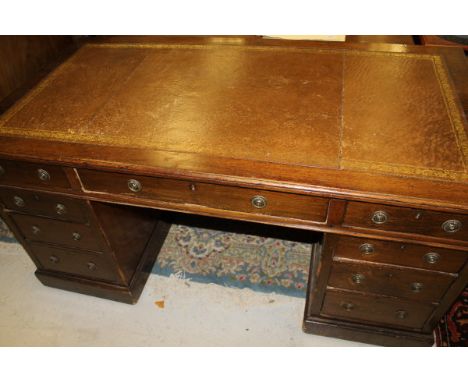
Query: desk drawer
point(412, 255)
point(32, 174)
point(81, 263)
point(390, 281)
point(375, 309)
point(37, 203)
point(58, 232)
point(209, 195)
point(400, 219)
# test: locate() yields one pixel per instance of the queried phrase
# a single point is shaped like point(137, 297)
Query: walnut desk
point(364, 143)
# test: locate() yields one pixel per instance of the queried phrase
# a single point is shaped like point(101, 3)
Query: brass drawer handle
point(401, 314)
point(452, 226)
point(2, 171)
point(259, 201)
point(358, 278)
point(416, 287)
point(19, 201)
point(35, 230)
point(366, 249)
point(134, 185)
point(54, 259)
point(347, 306)
point(379, 217)
point(76, 236)
point(43, 175)
point(431, 257)
point(91, 266)
point(60, 209)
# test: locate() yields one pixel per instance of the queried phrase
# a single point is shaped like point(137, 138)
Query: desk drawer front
point(390, 281)
point(37, 203)
point(412, 255)
point(87, 264)
point(375, 309)
point(400, 219)
point(32, 174)
point(209, 195)
point(57, 232)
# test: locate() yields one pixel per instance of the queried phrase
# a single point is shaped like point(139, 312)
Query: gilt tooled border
point(72, 135)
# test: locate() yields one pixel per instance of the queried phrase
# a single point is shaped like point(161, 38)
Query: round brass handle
point(134, 185)
point(76, 236)
point(43, 175)
point(416, 287)
point(259, 201)
point(401, 314)
point(60, 209)
point(452, 226)
point(35, 230)
point(431, 257)
point(358, 278)
point(347, 306)
point(2, 171)
point(366, 249)
point(19, 201)
point(91, 266)
point(379, 217)
point(54, 259)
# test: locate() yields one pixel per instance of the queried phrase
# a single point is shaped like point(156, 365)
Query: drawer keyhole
point(76, 236)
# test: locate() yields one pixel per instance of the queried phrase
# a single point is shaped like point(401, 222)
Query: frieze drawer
point(408, 220)
point(223, 197)
point(17, 173)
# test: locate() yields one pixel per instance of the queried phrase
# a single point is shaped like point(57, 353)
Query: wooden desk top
point(327, 118)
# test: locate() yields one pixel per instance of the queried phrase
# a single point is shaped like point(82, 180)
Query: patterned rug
point(253, 257)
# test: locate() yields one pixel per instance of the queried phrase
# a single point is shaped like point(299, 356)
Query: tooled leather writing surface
point(367, 111)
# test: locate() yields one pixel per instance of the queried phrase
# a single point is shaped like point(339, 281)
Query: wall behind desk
point(23, 59)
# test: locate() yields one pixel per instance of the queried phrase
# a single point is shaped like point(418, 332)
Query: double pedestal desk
point(365, 144)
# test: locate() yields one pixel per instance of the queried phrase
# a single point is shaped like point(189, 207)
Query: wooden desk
point(365, 143)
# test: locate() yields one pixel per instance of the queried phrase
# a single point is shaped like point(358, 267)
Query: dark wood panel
point(412, 255)
point(128, 231)
point(405, 220)
point(375, 309)
point(389, 280)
